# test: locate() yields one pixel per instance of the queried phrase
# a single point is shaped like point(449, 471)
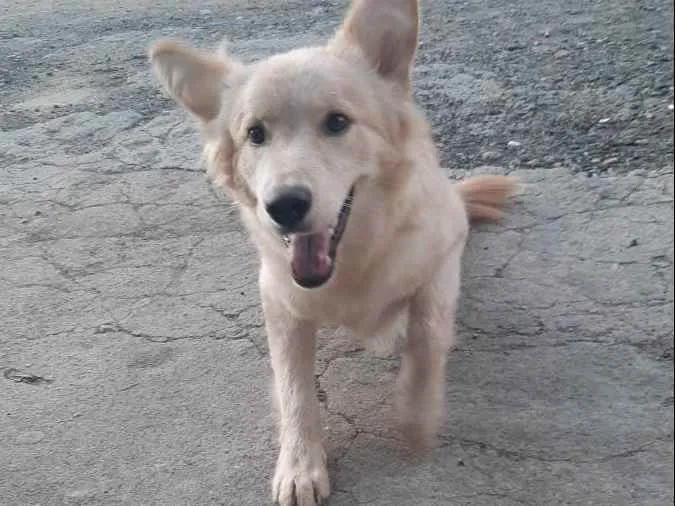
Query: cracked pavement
point(133, 356)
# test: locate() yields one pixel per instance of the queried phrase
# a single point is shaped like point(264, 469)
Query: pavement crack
point(518, 455)
point(527, 346)
point(499, 271)
point(117, 328)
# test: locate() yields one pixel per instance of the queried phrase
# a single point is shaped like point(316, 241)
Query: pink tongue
point(309, 255)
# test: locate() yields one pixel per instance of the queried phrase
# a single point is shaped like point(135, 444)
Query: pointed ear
point(193, 79)
point(386, 33)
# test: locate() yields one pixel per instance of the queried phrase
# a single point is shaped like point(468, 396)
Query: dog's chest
point(365, 306)
point(365, 314)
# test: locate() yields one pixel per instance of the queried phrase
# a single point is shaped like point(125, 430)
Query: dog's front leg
point(301, 477)
point(421, 381)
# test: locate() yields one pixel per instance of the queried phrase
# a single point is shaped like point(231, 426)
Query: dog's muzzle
point(313, 254)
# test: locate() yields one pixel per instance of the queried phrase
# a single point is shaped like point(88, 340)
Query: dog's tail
point(484, 195)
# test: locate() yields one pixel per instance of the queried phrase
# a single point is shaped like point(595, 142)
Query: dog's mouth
point(313, 254)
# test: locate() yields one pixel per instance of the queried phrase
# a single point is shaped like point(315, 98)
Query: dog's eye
point(336, 123)
point(256, 134)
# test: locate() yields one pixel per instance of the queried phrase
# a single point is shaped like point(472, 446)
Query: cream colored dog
point(338, 181)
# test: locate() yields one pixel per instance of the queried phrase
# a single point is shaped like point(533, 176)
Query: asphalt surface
point(133, 359)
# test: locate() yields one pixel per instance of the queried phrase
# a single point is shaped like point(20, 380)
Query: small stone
point(489, 155)
point(82, 494)
point(670, 107)
point(105, 328)
point(514, 144)
point(633, 243)
point(322, 396)
point(609, 161)
point(604, 120)
point(30, 438)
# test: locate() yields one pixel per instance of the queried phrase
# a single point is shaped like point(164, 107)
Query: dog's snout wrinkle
point(289, 206)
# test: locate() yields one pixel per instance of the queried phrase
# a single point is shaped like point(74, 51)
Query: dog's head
point(294, 137)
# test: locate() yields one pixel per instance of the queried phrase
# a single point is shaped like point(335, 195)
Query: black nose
point(289, 206)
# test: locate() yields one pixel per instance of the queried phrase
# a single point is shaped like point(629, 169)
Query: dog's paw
point(301, 477)
point(419, 436)
point(419, 421)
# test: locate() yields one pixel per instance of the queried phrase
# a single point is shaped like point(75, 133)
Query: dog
point(337, 179)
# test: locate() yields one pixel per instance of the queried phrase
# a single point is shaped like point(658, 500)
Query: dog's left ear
point(194, 79)
point(386, 33)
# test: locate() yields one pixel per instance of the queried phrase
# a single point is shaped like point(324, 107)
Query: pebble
point(604, 120)
point(30, 438)
point(79, 495)
point(610, 161)
point(105, 328)
point(514, 144)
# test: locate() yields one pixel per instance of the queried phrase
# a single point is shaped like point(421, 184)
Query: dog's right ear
point(193, 79)
point(386, 32)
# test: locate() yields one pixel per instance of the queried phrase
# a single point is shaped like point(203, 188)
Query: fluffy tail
point(484, 195)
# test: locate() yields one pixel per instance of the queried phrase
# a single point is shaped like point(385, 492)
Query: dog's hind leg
point(421, 381)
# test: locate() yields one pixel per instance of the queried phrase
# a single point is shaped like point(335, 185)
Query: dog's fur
point(399, 258)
